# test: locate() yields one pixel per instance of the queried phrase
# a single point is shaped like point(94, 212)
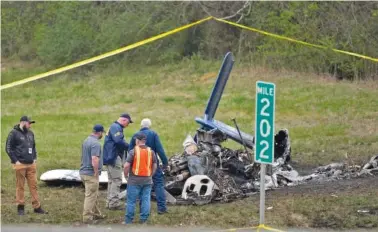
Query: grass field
point(326, 120)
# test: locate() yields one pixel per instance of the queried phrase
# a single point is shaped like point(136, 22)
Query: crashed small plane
point(207, 138)
point(206, 172)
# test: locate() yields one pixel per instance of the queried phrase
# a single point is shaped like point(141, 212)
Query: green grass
point(326, 119)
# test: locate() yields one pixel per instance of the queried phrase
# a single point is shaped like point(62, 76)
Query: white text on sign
point(264, 127)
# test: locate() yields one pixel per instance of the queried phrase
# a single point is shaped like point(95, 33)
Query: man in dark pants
point(115, 147)
point(154, 143)
point(20, 147)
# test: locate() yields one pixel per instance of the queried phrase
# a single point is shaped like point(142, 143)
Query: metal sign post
point(264, 134)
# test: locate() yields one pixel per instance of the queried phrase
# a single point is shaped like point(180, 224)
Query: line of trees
point(59, 33)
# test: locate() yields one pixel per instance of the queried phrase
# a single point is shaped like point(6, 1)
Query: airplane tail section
point(208, 122)
point(220, 83)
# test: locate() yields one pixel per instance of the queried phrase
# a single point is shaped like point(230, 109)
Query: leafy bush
point(59, 33)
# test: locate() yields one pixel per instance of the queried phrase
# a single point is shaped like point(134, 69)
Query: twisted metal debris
point(233, 173)
point(207, 172)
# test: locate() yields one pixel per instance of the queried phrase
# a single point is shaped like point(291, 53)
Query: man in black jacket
point(20, 147)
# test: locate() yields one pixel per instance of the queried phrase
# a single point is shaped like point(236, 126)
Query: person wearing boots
point(20, 147)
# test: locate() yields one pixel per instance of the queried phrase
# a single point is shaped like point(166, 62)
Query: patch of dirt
point(362, 214)
point(332, 187)
point(15, 64)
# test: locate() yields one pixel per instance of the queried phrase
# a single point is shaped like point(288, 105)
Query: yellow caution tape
point(296, 41)
point(236, 229)
point(105, 55)
point(149, 40)
point(262, 226)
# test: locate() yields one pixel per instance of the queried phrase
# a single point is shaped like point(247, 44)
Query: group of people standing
point(137, 160)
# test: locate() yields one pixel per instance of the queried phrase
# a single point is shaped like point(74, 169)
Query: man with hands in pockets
point(20, 147)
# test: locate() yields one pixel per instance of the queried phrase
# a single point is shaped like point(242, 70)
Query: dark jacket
point(20, 146)
point(154, 143)
point(115, 144)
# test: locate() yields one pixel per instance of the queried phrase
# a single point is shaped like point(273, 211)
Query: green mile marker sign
point(264, 127)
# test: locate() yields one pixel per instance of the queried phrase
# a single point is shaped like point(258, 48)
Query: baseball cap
point(126, 115)
point(141, 136)
point(98, 128)
point(26, 119)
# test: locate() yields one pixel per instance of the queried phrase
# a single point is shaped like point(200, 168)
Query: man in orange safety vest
point(139, 167)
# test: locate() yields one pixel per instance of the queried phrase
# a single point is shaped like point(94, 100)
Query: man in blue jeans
point(140, 166)
point(154, 143)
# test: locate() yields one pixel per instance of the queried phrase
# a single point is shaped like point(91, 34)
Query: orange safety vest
point(142, 164)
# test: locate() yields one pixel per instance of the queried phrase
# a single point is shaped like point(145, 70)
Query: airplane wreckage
point(207, 172)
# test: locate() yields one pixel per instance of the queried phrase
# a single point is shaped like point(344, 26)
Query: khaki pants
point(28, 172)
point(91, 209)
point(114, 184)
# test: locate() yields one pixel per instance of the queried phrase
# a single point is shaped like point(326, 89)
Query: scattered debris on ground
point(207, 172)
